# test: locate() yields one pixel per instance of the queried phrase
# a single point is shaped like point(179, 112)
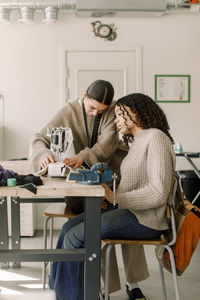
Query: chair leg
point(101, 295)
point(107, 271)
point(51, 233)
point(173, 266)
point(51, 238)
point(163, 282)
point(45, 247)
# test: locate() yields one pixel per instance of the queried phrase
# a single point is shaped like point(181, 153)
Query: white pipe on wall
point(71, 5)
point(38, 4)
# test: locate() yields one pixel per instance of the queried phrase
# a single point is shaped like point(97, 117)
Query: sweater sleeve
point(154, 189)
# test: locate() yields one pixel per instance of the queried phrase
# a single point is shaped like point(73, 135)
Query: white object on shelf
point(27, 218)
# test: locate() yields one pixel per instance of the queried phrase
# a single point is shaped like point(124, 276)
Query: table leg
point(4, 228)
point(92, 265)
point(15, 226)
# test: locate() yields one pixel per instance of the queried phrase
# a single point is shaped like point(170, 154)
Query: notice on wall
point(172, 88)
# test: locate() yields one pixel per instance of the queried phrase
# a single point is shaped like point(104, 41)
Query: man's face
point(93, 107)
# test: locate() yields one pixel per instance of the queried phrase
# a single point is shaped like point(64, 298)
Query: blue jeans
point(66, 278)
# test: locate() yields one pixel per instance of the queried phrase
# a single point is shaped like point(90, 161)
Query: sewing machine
point(61, 140)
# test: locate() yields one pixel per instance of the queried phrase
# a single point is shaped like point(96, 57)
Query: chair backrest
point(176, 197)
point(173, 189)
point(172, 202)
point(175, 201)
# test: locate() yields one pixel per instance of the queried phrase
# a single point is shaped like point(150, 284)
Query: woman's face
point(125, 122)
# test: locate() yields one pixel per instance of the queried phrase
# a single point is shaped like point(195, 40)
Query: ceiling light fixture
point(50, 15)
point(4, 16)
point(26, 15)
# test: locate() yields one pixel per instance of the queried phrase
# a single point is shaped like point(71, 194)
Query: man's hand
point(75, 161)
point(47, 160)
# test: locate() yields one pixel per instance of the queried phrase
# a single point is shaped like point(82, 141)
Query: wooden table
point(54, 190)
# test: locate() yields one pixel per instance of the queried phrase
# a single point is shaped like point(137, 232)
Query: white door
point(80, 67)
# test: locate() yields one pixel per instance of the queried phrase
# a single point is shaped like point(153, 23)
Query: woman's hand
point(109, 195)
point(47, 160)
point(75, 161)
point(104, 203)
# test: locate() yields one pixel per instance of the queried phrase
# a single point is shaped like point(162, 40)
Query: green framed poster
point(172, 88)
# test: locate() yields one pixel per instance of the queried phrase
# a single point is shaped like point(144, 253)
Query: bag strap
point(85, 121)
point(95, 130)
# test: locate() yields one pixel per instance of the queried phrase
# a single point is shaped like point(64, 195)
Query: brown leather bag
point(187, 218)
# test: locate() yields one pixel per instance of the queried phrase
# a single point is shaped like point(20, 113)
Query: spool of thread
point(11, 182)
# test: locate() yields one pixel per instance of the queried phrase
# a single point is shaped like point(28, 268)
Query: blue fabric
point(66, 278)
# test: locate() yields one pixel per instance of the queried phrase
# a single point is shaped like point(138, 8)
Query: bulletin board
point(172, 88)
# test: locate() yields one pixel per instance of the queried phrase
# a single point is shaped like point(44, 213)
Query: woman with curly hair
point(149, 114)
point(146, 174)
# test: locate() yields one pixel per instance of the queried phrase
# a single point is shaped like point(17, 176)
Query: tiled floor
point(28, 278)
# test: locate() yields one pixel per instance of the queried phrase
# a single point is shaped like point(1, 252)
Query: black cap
point(102, 91)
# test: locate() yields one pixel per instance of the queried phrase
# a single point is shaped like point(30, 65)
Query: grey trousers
point(135, 266)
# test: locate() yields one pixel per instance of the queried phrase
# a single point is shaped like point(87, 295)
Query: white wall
point(30, 70)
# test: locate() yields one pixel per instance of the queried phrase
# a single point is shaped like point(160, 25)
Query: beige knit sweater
point(146, 174)
point(107, 149)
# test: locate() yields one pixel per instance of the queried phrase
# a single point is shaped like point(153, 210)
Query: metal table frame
point(91, 254)
point(189, 156)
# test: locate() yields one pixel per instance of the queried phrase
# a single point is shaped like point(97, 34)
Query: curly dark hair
point(148, 113)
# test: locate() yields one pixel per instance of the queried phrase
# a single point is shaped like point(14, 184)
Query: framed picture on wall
point(172, 88)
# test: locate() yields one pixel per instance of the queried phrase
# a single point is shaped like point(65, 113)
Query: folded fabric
point(6, 174)
point(21, 179)
point(30, 178)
